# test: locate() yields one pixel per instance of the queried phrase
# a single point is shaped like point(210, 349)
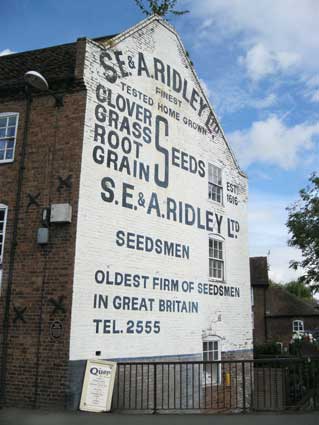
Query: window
point(297, 326)
point(215, 185)
point(3, 219)
point(8, 133)
point(211, 353)
point(216, 259)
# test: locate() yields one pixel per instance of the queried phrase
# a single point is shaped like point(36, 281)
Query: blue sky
point(259, 64)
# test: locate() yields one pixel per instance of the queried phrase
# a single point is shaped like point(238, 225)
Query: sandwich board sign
point(98, 384)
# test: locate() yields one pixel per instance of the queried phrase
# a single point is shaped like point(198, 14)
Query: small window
point(297, 326)
point(8, 134)
point(215, 184)
point(216, 259)
point(3, 220)
point(211, 353)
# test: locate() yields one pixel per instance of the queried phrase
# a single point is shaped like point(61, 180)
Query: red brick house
point(277, 313)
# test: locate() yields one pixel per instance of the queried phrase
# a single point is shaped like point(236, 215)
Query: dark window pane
point(12, 120)
point(9, 154)
point(3, 122)
point(11, 131)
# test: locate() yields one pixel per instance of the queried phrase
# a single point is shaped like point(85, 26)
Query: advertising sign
point(161, 245)
point(98, 386)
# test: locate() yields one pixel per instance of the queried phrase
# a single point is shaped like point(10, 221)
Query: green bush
point(269, 348)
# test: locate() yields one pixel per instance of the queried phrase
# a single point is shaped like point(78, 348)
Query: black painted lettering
point(110, 73)
point(107, 184)
point(161, 182)
point(159, 69)
point(120, 63)
point(120, 238)
point(142, 67)
point(127, 195)
point(99, 133)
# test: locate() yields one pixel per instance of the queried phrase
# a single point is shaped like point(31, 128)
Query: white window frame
point(211, 351)
point(11, 138)
point(215, 183)
point(221, 242)
point(3, 231)
point(298, 326)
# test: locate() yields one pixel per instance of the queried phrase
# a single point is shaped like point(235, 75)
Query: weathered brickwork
point(108, 72)
point(36, 363)
point(56, 284)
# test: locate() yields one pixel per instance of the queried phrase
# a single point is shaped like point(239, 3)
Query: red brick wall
point(259, 331)
point(280, 328)
point(37, 363)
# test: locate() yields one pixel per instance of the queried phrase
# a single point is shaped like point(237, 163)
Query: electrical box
point(43, 236)
point(61, 213)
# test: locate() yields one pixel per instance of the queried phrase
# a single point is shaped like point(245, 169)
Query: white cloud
point(6, 52)
point(265, 102)
point(271, 141)
point(260, 62)
point(281, 34)
point(313, 81)
point(267, 216)
point(312, 91)
point(229, 96)
point(315, 96)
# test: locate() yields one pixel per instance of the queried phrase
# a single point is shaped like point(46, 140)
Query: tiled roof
point(280, 302)
point(54, 63)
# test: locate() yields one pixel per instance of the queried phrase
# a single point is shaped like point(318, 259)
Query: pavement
point(40, 417)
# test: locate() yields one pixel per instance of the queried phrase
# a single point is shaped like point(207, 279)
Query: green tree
point(299, 289)
point(159, 7)
point(303, 226)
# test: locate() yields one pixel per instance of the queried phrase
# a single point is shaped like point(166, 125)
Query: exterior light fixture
point(36, 80)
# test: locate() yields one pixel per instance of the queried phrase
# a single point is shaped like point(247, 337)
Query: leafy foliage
point(299, 289)
point(301, 343)
point(269, 348)
point(303, 225)
point(159, 7)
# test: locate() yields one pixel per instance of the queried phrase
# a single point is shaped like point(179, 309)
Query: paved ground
point(29, 417)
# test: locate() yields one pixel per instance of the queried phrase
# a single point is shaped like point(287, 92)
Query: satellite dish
point(36, 80)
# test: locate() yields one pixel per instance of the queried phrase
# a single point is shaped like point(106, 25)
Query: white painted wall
point(99, 221)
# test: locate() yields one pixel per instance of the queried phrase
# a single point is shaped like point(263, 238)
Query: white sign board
point(98, 386)
point(162, 245)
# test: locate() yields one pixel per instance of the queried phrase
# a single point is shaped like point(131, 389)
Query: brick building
point(278, 313)
point(123, 219)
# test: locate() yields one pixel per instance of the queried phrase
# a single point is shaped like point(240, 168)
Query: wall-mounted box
point(43, 236)
point(61, 213)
